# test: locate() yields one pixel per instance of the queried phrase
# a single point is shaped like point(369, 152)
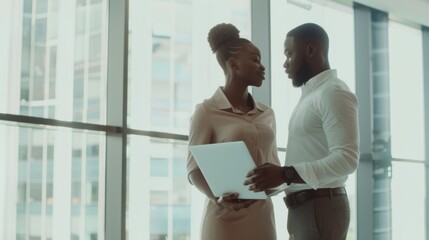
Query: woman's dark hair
point(224, 40)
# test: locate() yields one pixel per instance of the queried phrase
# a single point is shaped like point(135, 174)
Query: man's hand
point(265, 177)
point(232, 202)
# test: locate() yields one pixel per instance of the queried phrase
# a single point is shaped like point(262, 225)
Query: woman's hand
point(232, 202)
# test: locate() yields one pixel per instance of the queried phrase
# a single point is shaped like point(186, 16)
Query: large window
point(56, 116)
point(284, 17)
point(407, 127)
point(331, 16)
point(406, 91)
point(56, 59)
point(171, 66)
point(53, 181)
point(171, 69)
point(158, 190)
point(53, 68)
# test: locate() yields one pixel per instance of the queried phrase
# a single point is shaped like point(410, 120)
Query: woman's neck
point(238, 96)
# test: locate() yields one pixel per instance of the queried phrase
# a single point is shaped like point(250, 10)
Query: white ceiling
point(412, 11)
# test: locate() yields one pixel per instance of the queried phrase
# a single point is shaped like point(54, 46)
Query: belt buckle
point(294, 202)
point(291, 201)
point(301, 194)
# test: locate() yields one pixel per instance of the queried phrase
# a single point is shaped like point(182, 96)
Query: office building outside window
point(171, 69)
point(54, 78)
point(55, 68)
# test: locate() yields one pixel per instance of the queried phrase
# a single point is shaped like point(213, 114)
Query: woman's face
point(248, 65)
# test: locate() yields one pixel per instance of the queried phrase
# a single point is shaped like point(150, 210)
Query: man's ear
point(311, 49)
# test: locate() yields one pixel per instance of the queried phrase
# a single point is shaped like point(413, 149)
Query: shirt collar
point(318, 80)
point(223, 103)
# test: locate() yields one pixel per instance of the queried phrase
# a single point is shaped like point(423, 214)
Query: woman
point(231, 114)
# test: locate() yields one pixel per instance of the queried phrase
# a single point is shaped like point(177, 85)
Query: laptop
point(225, 166)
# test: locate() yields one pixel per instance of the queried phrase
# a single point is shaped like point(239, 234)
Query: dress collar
point(223, 103)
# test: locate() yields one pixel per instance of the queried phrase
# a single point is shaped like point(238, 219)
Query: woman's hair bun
point(221, 34)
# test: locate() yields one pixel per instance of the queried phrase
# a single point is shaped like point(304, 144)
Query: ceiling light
point(306, 4)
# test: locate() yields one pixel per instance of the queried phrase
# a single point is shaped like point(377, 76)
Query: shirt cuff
point(307, 174)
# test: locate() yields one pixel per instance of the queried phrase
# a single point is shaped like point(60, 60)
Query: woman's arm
point(197, 179)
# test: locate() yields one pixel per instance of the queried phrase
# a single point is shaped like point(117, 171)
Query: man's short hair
point(311, 32)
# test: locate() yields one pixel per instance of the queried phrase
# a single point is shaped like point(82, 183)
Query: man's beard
point(302, 75)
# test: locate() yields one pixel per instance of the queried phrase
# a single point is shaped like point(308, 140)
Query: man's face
point(296, 64)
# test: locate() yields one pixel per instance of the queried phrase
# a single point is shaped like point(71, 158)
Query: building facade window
point(56, 70)
point(168, 75)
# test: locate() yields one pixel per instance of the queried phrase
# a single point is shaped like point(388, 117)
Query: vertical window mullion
point(116, 116)
point(425, 34)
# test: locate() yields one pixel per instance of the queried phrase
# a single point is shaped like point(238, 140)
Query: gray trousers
point(324, 218)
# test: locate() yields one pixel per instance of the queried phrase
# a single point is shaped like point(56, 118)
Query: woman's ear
point(232, 63)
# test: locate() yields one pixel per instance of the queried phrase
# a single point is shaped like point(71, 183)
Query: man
point(323, 142)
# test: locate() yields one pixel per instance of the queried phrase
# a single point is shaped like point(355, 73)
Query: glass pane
point(163, 203)
point(285, 16)
point(406, 92)
point(331, 16)
point(280, 210)
point(168, 75)
point(54, 182)
point(158, 215)
point(51, 55)
point(176, 69)
point(408, 203)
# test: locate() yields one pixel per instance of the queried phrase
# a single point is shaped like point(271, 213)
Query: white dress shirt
point(323, 141)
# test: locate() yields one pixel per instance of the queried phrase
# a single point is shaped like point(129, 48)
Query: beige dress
point(215, 121)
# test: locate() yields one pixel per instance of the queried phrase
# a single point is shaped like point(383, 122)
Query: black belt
point(297, 198)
